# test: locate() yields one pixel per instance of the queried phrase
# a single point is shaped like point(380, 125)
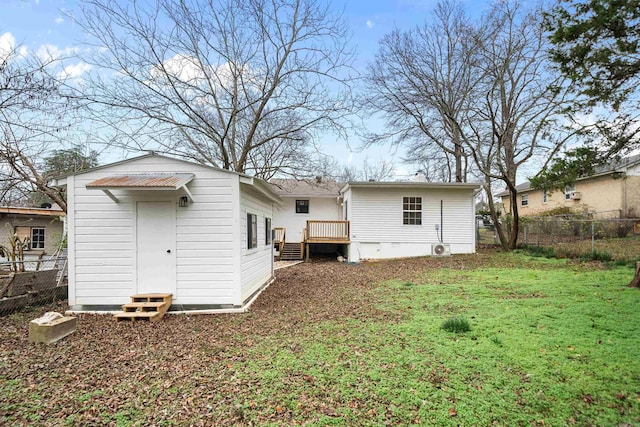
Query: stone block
point(53, 331)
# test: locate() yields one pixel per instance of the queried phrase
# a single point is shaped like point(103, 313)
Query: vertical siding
point(104, 270)
point(377, 229)
point(257, 263)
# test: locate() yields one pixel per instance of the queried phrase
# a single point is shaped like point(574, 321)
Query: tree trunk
point(635, 283)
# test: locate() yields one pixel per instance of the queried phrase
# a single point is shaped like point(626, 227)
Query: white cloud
point(59, 20)
point(75, 70)
point(7, 45)
point(49, 52)
point(370, 23)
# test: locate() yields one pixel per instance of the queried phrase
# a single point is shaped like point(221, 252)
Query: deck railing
point(327, 231)
point(279, 236)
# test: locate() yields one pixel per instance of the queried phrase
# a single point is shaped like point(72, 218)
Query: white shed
point(155, 224)
point(403, 219)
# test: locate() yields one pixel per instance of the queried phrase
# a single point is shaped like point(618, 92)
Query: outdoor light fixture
point(184, 202)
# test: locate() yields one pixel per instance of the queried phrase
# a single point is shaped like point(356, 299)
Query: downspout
point(624, 197)
point(441, 223)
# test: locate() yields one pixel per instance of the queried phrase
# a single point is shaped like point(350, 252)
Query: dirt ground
point(114, 365)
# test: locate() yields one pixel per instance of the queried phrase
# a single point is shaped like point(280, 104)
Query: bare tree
point(366, 171)
point(518, 99)
point(422, 80)
point(242, 85)
point(34, 118)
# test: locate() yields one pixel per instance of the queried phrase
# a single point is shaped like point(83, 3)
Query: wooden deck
point(316, 232)
point(337, 232)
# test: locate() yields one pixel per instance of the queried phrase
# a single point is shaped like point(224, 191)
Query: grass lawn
point(552, 342)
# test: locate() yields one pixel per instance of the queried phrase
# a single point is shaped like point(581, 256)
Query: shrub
point(456, 324)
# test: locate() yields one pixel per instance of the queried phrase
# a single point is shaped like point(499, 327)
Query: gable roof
point(619, 165)
point(131, 179)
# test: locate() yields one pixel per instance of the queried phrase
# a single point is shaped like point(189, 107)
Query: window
point(31, 237)
point(267, 231)
point(524, 200)
point(302, 206)
point(568, 190)
point(37, 238)
point(412, 210)
point(252, 231)
point(544, 196)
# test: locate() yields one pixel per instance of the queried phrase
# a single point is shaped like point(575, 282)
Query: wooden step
point(143, 306)
point(151, 297)
point(152, 306)
point(152, 316)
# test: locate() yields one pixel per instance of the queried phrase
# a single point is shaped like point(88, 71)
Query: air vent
point(440, 249)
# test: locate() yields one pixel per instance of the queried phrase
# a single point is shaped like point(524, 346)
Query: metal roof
point(167, 181)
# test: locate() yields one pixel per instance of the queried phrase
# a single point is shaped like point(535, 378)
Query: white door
point(156, 237)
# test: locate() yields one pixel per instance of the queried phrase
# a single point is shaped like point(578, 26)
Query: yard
point(552, 342)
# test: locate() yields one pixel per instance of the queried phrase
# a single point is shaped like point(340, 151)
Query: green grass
point(552, 342)
point(549, 345)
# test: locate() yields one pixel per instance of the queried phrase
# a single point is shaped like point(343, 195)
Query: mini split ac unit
point(440, 249)
point(575, 195)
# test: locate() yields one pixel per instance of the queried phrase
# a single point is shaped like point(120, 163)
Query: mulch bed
point(115, 365)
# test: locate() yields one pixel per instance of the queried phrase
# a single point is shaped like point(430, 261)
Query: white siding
point(102, 236)
point(377, 229)
point(257, 263)
point(320, 208)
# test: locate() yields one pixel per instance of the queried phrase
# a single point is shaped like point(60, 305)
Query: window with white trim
point(31, 237)
point(568, 191)
point(412, 210)
point(524, 200)
point(37, 238)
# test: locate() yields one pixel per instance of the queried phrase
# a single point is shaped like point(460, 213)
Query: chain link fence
point(25, 284)
point(616, 239)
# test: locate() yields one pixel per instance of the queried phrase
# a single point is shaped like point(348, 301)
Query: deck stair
point(145, 307)
point(291, 252)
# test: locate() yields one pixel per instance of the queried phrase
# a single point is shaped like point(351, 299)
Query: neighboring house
point(373, 220)
point(155, 224)
point(41, 228)
point(612, 191)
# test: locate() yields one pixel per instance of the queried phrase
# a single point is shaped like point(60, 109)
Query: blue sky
point(34, 23)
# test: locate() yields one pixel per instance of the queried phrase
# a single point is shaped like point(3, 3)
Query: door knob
point(168, 251)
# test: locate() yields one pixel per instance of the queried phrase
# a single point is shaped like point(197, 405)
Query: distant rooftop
point(319, 187)
point(616, 165)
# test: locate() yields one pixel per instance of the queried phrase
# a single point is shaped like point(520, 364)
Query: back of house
point(373, 220)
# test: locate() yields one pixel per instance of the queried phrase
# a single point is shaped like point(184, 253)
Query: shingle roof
point(613, 166)
point(305, 188)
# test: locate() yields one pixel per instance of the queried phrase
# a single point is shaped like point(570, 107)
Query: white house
point(372, 220)
point(155, 224)
point(403, 219)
